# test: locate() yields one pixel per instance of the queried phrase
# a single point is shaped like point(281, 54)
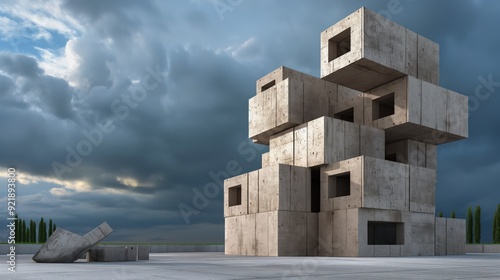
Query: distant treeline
point(30, 233)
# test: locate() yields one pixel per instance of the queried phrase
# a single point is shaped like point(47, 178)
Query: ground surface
point(219, 266)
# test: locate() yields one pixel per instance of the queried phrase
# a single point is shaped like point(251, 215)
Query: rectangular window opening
point(346, 115)
point(235, 195)
point(268, 85)
point(315, 190)
point(383, 106)
point(339, 185)
point(385, 233)
point(339, 44)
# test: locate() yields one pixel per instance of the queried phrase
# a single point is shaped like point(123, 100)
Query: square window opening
point(339, 185)
point(268, 85)
point(385, 233)
point(383, 106)
point(339, 44)
point(346, 115)
point(235, 195)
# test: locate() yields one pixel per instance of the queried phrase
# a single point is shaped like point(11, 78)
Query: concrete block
point(287, 98)
point(292, 233)
point(331, 140)
point(312, 232)
point(339, 233)
point(455, 236)
point(325, 233)
point(422, 189)
point(348, 105)
point(491, 249)
point(365, 50)
point(253, 192)
point(236, 195)
point(64, 246)
point(408, 108)
point(342, 185)
point(232, 231)
point(265, 159)
point(385, 184)
point(262, 115)
point(248, 235)
point(261, 234)
point(428, 60)
point(284, 187)
point(114, 254)
point(143, 252)
point(372, 142)
point(300, 145)
point(440, 236)
point(422, 234)
point(281, 148)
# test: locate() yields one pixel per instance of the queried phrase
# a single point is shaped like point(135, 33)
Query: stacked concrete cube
point(351, 167)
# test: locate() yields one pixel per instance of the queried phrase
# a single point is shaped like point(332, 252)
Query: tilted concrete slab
point(64, 246)
point(366, 50)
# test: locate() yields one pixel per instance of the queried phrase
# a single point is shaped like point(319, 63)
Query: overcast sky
point(120, 111)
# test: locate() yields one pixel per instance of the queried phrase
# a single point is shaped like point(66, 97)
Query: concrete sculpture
point(351, 167)
point(64, 246)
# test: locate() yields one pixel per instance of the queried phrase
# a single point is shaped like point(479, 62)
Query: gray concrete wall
point(482, 248)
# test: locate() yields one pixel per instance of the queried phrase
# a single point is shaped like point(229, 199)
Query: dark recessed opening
point(392, 157)
point(268, 85)
point(383, 106)
point(385, 233)
point(339, 185)
point(339, 45)
point(315, 190)
point(235, 195)
point(346, 115)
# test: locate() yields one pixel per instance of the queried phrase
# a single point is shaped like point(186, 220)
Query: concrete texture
point(351, 167)
point(64, 246)
point(377, 51)
point(118, 253)
point(218, 266)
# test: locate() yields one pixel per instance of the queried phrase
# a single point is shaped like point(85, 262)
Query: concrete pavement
point(218, 266)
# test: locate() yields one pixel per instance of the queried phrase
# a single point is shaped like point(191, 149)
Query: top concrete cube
point(366, 50)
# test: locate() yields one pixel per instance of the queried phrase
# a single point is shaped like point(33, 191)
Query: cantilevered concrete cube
point(286, 98)
point(409, 108)
point(325, 140)
point(366, 50)
point(375, 183)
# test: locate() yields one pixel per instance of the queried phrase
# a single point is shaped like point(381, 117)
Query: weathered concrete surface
point(64, 246)
point(117, 253)
point(219, 266)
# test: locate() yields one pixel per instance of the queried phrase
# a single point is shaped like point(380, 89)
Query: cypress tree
point(33, 232)
point(469, 225)
point(55, 227)
point(50, 228)
point(497, 226)
point(440, 215)
point(27, 235)
point(453, 216)
point(477, 225)
point(40, 231)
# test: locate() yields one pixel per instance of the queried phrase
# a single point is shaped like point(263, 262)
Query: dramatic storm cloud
point(133, 112)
